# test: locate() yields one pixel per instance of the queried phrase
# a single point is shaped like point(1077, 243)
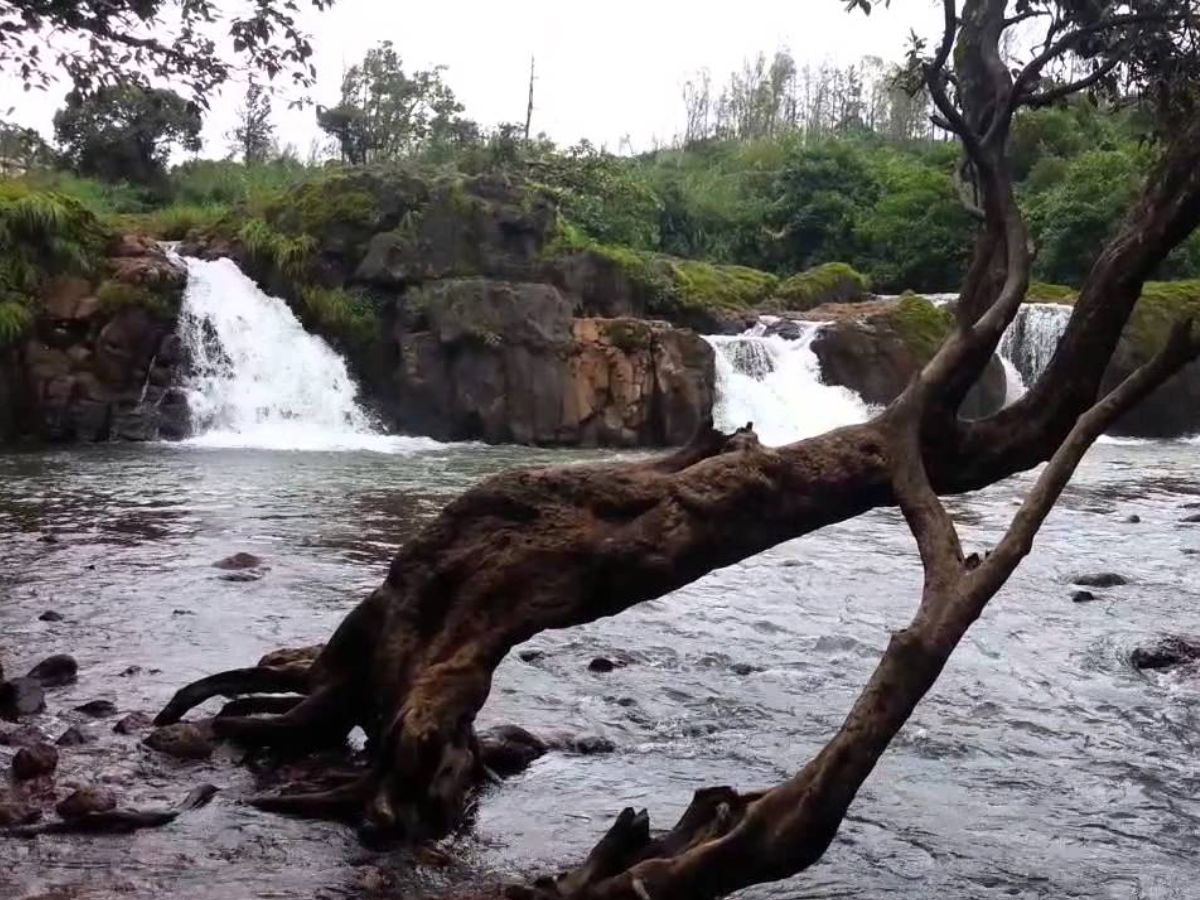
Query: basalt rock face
point(101, 362)
point(509, 362)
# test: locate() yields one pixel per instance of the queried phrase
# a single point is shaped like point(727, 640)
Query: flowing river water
point(1041, 766)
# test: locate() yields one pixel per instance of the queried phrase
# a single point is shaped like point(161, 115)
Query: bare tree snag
point(537, 549)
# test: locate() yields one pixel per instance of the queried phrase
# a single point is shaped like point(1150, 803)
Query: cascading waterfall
point(776, 384)
point(260, 380)
point(1032, 337)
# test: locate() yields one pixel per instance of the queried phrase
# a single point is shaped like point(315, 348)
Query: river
point(1041, 766)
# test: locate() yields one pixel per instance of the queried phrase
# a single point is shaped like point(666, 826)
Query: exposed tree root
point(117, 821)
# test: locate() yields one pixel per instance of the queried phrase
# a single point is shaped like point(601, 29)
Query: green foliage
point(42, 235)
point(827, 283)
point(346, 314)
point(288, 254)
point(117, 295)
point(175, 222)
point(125, 132)
point(1044, 292)
point(204, 182)
point(920, 324)
point(629, 335)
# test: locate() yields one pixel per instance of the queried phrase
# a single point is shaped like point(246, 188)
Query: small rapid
point(260, 380)
point(776, 384)
point(1032, 337)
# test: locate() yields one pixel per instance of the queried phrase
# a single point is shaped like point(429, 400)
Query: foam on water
point(260, 380)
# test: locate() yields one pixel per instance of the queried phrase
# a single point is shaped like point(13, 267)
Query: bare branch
point(1053, 95)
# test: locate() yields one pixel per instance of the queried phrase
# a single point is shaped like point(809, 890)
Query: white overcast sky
point(604, 70)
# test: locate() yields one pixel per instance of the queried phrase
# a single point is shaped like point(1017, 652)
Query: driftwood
point(117, 821)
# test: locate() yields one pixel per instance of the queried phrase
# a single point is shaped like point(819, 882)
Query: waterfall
point(1032, 337)
point(776, 384)
point(258, 379)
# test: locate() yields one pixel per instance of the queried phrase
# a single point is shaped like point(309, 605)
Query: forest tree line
point(778, 167)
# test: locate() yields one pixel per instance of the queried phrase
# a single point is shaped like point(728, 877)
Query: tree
point(125, 132)
point(531, 550)
point(107, 42)
point(253, 137)
point(386, 113)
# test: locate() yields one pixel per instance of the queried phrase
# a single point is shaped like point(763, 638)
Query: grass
point(347, 314)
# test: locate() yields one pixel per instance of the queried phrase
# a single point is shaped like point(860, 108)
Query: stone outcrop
point(102, 359)
point(509, 362)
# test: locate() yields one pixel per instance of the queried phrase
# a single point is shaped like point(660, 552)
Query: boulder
point(86, 801)
point(75, 737)
point(98, 709)
point(50, 616)
point(55, 671)
point(1167, 653)
point(134, 723)
point(507, 363)
point(34, 762)
point(182, 741)
point(509, 749)
point(1082, 597)
point(16, 810)
point(238, 561)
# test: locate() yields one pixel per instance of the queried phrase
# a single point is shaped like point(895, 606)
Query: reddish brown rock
point(34, 762)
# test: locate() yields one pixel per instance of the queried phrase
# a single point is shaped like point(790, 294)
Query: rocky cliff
point(100, 358)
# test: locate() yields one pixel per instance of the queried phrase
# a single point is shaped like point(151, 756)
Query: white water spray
point(260, 380)
point(776, 384)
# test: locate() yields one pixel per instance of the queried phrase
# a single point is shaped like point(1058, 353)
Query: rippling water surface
point(1042, 765)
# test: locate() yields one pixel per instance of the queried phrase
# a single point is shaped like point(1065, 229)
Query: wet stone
point(85, 801)
point(132, 670)
point(592, 744)
point(50, 616)
point(24, 736)
point(16, 811)
point(1082, 597)
point(1101, 580)
point(530, 655)
point(1133, 519)
point(21, 697)
point(242, 576)
point(238, 561)
point(1194, 517)
point(182, 741)
point(98, 709)
point(134, 723)
point(1167, 653)
point(75, 737)
point(55, 671)
point(604, 664)
point(34, 762)
point(509, 749)
point(744, 669)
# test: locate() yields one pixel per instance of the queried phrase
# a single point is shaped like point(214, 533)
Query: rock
point(55, 671)
point(50, 616)
point(1133, 519)
point(134, 723)
point(238, 562)
point(1168, 652)
point(25, 736)
point(98, 709)
point(75, 737)
point(85, 801)
point(603, 664)
point(744, 669)
point(592, 744)
point(21, 697)
point(242, 576)
point(1195, 517)
point(530, 655)
point(509, 749)
point(15, 810)
point(182, 741)
point(1101, 580)
point(131, 671)
point(34, 762)
point(1082, 597)
point(508, 363)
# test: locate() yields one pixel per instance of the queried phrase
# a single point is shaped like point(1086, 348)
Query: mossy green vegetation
point(920, 324)
point(117, 295)
point(1044, 292)
point(833, 282)
point(1162, 304)
point(42, 234)
point(629, 335)
point(348, 315)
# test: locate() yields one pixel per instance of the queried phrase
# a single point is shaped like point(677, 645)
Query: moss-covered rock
point(920, 324)
point(833, 282)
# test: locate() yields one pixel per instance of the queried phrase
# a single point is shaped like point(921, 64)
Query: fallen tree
point(531, 550)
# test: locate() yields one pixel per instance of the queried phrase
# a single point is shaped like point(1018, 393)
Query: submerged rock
point(1101, 580)
point(134, 723)
point(182, 741)
point(75, 736)
point(24, 736)
point(1134, 519)
point(98, 709)
point(15, 810)
point(603, 664)
point(55, 671)
point(34, 762)
point(21, 697)
point(509, 749)
point(50, 616)
point(85, 801)
point(530, 655)
point(1169, 652)
point(1082, 597)
point(592, 744)
point(238, 562)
